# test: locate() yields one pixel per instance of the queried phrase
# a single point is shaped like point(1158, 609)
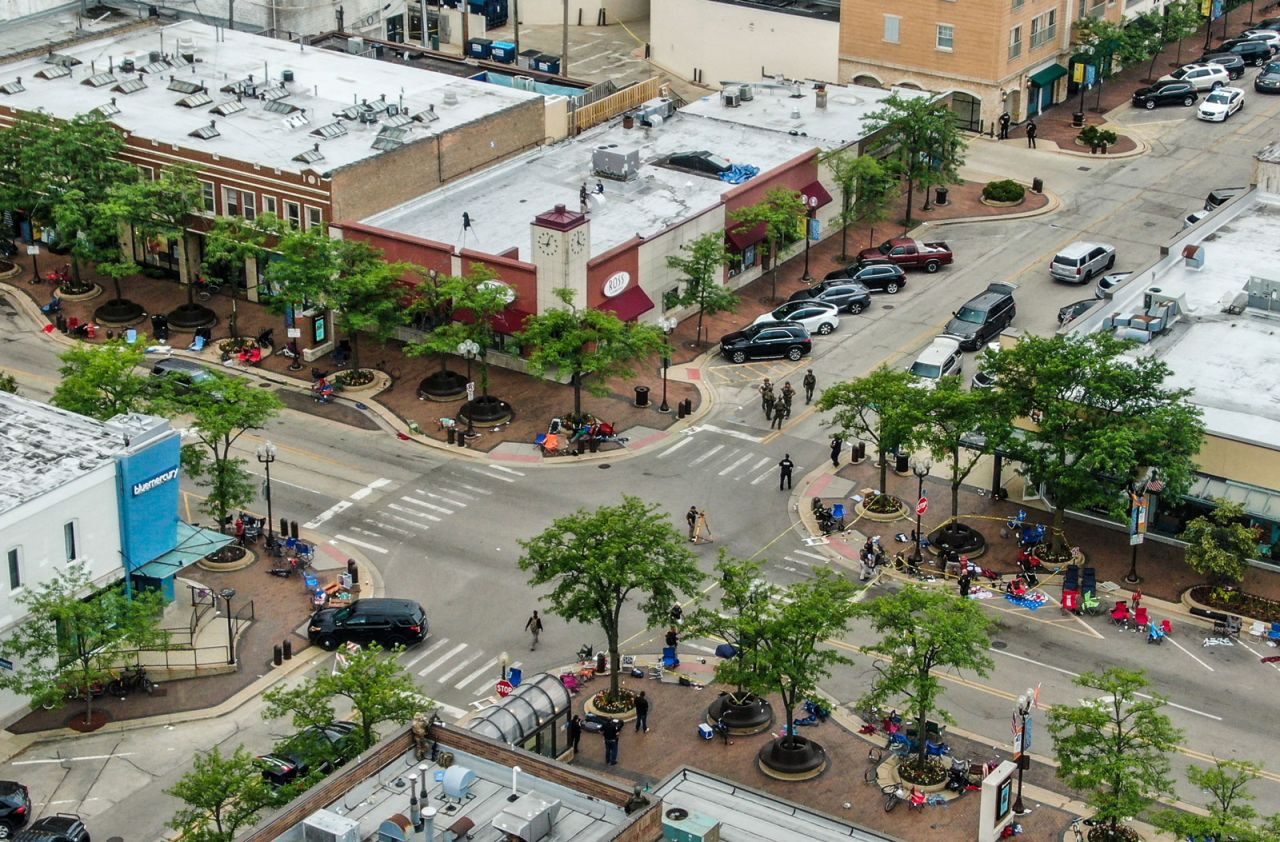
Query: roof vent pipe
point(820, 97)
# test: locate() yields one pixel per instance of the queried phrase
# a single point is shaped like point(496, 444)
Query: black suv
point(1232, 62)
point(765, 340)
point(1166, 93)
point(387, 622)
point(15, 806)
point(1256, 53)
point(850, 296)
point(63, 827)
point(877, 277)
point(1268, 81)
point(983, 317)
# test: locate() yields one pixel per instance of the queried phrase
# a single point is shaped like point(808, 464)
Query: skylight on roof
point(100, 79)
point(206, 132)
point(62, 61)
point(109, 109)
point(183, 86)
point(309, 157)
point(296, 121)
point(428, 116)
point(195, 100)
point(271, 94)
point(385, 144)
point(398, 135)
point(397, 121)
point(330, 130)
point(231, 106)
point(351, 112)
point(129, 86)
point(14, 87)
point(56, 71)
point(156, 67)
point(279, 107)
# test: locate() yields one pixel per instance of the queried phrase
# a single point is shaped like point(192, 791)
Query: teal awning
point(1045, 78)
point(194, 544)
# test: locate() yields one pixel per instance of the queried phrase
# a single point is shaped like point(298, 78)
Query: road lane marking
point(704, 457)
point(507, 470)
point(484, 491)
point(339, 506)
point(818, 556)
point(1189, 655)
point(448, 500)
point(733, 466)
point(413, 512)
point(757, 466)
point(458, 668)
point(438, 661)
point(389, 527)
point(433, 647)
point(363, 544)
point(71, 759)
point(479, 671)
point(673, 448)
point(361, 493)
point(734, 433)
point(412, 523)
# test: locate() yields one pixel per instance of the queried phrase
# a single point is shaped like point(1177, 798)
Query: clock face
point(578, 242)
point(547, 243)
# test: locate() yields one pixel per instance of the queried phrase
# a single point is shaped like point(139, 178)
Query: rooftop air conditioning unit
point(679, 825)
point(731, 99)
point(618, 164)
point(355, 45)
point(747, 93)
point(324, 826)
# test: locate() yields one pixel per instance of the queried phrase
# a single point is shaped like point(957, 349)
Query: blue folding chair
point(669, 659)
point(1274, 634)
point(1071, 579)
point(837, 511)
point(131, 335)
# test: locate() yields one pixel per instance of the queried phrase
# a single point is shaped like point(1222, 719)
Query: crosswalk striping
point(446, 656)
point(458, 667)
point(487, 666)
point(482, 472)
point(673, 448)
point(704, 457)
point(415, 513)
point(735, 464)
point(424, 504)
point(363, 544)
point(424, 653)
point(443, 499)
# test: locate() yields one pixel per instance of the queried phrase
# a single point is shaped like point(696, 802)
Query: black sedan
point(321, 747)
point(1268, 81)
point(63, 827)
point(876, 277)
point(850, 296)
point(1165, 93)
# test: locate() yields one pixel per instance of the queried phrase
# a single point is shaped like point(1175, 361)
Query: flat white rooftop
point(278, 122)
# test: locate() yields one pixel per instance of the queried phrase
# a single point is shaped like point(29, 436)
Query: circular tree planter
point(624, 715)
point(792, 759)
point(97, 719)
point(226, 559)
point(442, 386)
point(358, 380)
point(962, 538)
point(864, 510)
point(933, 778)
point(9, 269)
point(995, 204)
point(486, 409)
point(191, 317)
point(1120, 834)
point(119, 312)
point(82, 292)
point(743, 715)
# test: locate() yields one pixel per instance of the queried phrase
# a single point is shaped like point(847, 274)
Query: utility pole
point(515, 11)
point(564, 42)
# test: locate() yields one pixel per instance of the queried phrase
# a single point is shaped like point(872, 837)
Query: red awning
point(509, 321)
point(632, 303)
point(742, 238)
point(816, 191)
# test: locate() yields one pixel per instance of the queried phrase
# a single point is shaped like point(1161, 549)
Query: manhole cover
point(999, 644)
point(265, 385)
point(606, 466)
point(1084, 169)
point(888, 306)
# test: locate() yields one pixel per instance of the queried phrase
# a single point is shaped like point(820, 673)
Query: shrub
point(1003, 191)
point(1093, 137)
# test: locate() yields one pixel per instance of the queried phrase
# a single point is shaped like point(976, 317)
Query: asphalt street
point(444, 528)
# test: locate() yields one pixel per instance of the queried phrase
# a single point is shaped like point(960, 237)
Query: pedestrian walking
point(965, 581)
point(784, 470)
point(673, 638)
point(642, 712)
point(769, 403)
point(1031, 134)
point(611, 730)
point(534, 627)
point(836, 444)
point(781, 412)
point(574, 731)
point(788, 393)
point(691, 517)
point(810, 383)
point(1005, 120)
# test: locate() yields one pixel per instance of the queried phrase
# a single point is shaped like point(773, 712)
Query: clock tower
point(561, 241)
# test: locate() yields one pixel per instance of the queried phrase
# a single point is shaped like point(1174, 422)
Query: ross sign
point(922, 506)
point(505, 688)
point(508, 294)
point(616, 284)
point(155, 482)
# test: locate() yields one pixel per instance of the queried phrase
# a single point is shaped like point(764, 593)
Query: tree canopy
point(221, 795)
point(782, 211)
point(951, 416)
point(745, 605)
point(599, 562)
point(868, 189)
point(1220, 544)
point(885, 407)
point(701, 265)
point(919, 134)
point(1231, 814)
point(480, 296)
point(102, 381)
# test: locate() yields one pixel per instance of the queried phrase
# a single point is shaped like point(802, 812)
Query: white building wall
point(656, 277)
point(723, 42)
point(586, 11)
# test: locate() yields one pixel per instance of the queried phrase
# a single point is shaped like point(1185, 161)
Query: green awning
point(194, 544)
point(1045, 78)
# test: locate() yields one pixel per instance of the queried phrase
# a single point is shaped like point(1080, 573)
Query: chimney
point(820, 97)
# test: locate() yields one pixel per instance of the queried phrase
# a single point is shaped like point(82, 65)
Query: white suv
point(941, 359)
point(1203, 77)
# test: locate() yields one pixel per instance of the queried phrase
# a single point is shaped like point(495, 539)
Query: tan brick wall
point(495, 138)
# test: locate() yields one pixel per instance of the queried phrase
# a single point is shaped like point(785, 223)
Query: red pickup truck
point(908, 253)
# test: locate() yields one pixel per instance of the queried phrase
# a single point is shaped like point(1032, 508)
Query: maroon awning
point(509, 321)
point(815, 190)
point(632, 303)
point(742, 238)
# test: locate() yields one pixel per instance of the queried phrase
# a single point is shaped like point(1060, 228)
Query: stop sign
point(505, 687)
point(922, 506)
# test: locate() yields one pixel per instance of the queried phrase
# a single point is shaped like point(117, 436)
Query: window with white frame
point(892, 27)
point(209, 197)
point(1044, 28)
point(270, 204)
point(230, 201)
point(1015, 42)
point(248, 202)
point(14, 557)
point(148, 173)
point(69, 539)
point(293, 214)
point(946, 37)
point(314, 217)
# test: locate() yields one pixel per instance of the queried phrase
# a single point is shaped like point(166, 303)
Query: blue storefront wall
point(148, 487)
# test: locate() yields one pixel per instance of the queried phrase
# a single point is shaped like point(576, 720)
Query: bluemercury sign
point(155, 482)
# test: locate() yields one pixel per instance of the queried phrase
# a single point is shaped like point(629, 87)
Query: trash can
point(940, 197)
point(1037, 185)
point(642, 396)
point(1077, 119)
point(903, 466)
point(452, 434)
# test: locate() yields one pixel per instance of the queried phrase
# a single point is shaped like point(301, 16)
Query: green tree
point(367, 294)
point(783, 212)
point(919, 135)
point(885, 407)
point(75, 637)
point(1181, 21)
point(8, 383)
point(233, 241)
point(1231, 815)
point(598, 562)
point(482, 296)
point(922, 631)
point(740, 621)
point(221, 795)
point(373, 682)
point(1099, 420)
point(701, 264)
point(868, 188)
point(1115, 748)
point(102, 381)
point(587, 343)
point(1105, 44)
point(1220, 544)
point(222, 410)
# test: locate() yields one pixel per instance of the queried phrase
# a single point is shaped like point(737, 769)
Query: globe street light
point(469, 350)
point(667, 325)
point(1022, 743)
point(267, 455)
point(811, 207)
point(228, 594)
point(920, 467)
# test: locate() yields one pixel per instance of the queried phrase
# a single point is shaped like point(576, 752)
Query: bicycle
point(1075, 827)
point(874, 758)
point(206, 289)
point(895, 794)
point(133, 678)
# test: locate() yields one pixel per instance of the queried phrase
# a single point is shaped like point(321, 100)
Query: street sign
point(505, 687)
point(923, 506)
point(471, 391)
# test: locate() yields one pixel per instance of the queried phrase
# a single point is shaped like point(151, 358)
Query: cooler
point(705, 731)
point(1071, 600)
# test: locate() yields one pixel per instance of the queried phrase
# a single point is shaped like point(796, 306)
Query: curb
point(1054, 204)
point(1141, 147)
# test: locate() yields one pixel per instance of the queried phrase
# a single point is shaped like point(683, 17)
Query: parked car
point(1166, 93)
point(982, 380)
point(15, 806)
point(1202, 76)
point(1221, 104)
point(1270, 37)
point(1109, 282)
point(1233, 63)
point(1221, 195)
point(983, 317)
point(387, 622)
point(818, 317)
point(1080, 261)
point(909, 253)
point(61, 827)
point(1253, 52)
point(766, 340)
point(942, 358)
point(1074, 310)
point(182, 373)
point(1268, 81)
point(323, 747)
point(850, 296)
point(876, 277)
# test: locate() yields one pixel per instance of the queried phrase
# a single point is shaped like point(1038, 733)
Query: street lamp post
point(228, 594)
point(469, 350)
point(811, 207)
point(1140, 512)
point(920, 467)
point(267, 455)
point(667, 325)
point(1023, 743)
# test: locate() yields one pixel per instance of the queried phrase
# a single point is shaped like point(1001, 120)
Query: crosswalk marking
point(438, 661)
point(397, 530)
point(482, 472)
point(735, 464)
point(818, 556)
point(673, 448)
point(448, 500)
point(758, 465)
point(479, 671)
point(457, 668)
point(413, 512)
point(433, 647)
point(484, 491)
point(424, 504)
point(704, 457)
point(763, 477)
point(327, 513)
point(412, 523)
point(798, 561)
point(365, 544)
point(507, 470)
